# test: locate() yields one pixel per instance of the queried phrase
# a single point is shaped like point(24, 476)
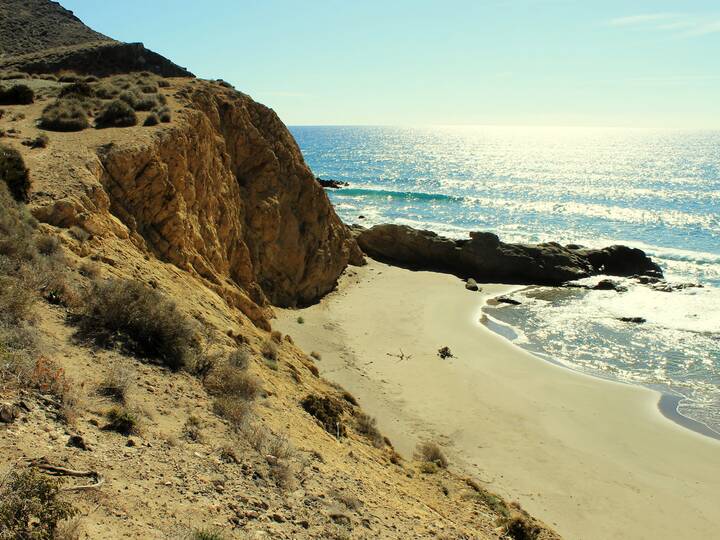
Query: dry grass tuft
point(430, 452)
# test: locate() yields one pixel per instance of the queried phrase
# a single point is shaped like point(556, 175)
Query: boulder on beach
point(484, 256)
point(471, 285)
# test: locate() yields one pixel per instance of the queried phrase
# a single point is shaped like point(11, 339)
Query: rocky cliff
point(484, 257)
point(228, 195)
point(221, 192)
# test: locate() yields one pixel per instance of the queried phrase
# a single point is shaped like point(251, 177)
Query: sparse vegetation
point(520, 526)
point(121, 420)
point(47, 244)
point(205, 534)
point(192, 430)
point(269, 351)
point(140, 319)
point(430, 452)
point(239, 358)
point(31, 507)
point(300, 320)
point(117, 113)
point(80, 234)
point(41, 141)
point(235, 411)
point(367, 425)
point(276, 336)
point(327, 411)
point(444, 352)
point(231, 382)
point(18, 94)
point(14, 173)
point(117, 381)
point(67, 114)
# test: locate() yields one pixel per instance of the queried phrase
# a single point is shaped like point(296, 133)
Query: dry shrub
point(162, 83)
point(117, 381)
point(41, 141)
point(276, 336)
point(31, 507)
point(164, 114)
point(327, 411)
point(192, 430)
point(18, 94)
point(239, 358)
point(236, 412)
point(14, 173)
point(47, 244)
point(89, 269)
point(49, 378)
point(151, 120)
point(202, 365)
point(67, 114)
point(520, 526)
point(270, 350)
point(79, 90)
point(367, 425)
point(16, 300)
point(347, 396)
point(205, 534)
point(122, 420)
point(80, 234)
point(256, 435)
point(430, 452)
point(231, 382)
point(140, 319)
point(429, 467)
point(117, 113)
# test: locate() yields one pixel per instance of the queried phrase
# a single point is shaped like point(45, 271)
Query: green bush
point(19, 94)
point(66, 114)
point(14, 173)
point(142, 320)
point(31, 507)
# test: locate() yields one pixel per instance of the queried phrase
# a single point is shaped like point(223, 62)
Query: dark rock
point(76, 441)
point(486, 258)
point(332, 184)
point(636, 320)
point(8, 413)
point(608, 285)
point(507, 300)
point(471, 285)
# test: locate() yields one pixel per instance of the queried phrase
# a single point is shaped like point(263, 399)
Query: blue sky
point(520, 62)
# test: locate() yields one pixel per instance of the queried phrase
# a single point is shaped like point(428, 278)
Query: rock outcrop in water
point(485, 257)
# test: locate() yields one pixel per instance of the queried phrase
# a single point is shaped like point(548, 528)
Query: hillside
point(31, 26)
point(148, 225)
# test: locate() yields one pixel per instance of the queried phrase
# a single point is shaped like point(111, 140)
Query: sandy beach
point(593, 458)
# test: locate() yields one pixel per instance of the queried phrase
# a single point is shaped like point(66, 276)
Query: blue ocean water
point(658, 190)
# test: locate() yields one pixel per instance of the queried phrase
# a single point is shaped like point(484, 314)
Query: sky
point(630, 63)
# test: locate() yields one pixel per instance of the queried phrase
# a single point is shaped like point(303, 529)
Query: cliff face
point(227, 195)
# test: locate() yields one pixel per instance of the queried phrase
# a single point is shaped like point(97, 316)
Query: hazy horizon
point(498, 63)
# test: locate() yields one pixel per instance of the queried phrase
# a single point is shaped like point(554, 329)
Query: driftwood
point(54, 470)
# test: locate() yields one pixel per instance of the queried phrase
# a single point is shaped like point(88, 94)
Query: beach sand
point(593, 458)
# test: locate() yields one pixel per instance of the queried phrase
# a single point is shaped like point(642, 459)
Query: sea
point(655, 189)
